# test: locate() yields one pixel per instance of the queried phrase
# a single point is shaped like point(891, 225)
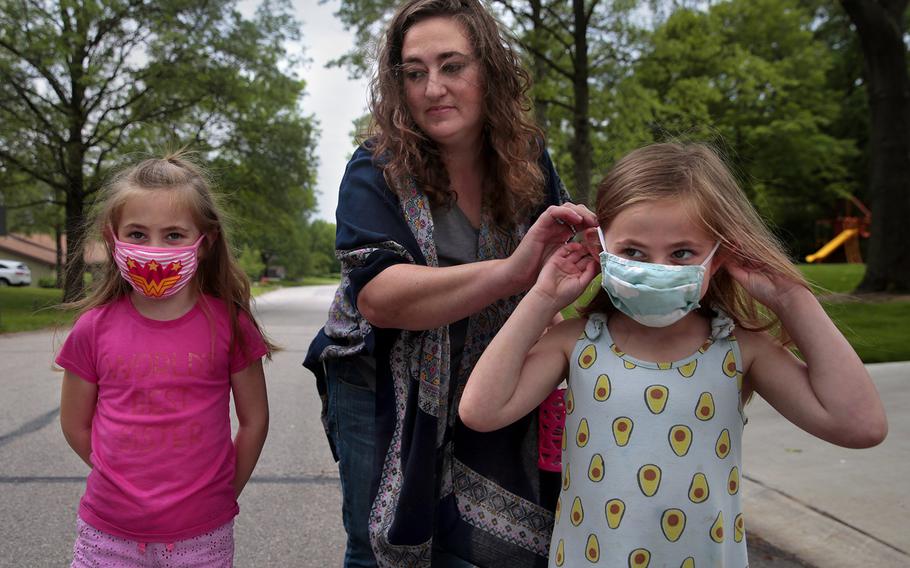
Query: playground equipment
point(848, 229)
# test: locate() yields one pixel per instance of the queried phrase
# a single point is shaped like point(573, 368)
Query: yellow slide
point(832, 245)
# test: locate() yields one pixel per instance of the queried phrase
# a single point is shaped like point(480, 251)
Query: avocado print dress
point(651, 457)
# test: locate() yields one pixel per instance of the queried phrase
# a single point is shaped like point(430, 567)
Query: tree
point(267, 166)
point(846, 79)
point(322, 243)
point(578, 51)
point(751, 75)
point(367, 19)
point(881, 26)
point(83, 84)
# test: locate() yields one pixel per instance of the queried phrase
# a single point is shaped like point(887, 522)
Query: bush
point(250, 262)
point(47, 282)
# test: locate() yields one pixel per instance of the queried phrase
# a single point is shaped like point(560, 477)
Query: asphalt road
point(290, 512)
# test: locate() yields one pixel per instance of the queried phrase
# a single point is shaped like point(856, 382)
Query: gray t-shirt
point(456, 243)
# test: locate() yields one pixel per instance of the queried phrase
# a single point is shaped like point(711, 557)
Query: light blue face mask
point(655, 295)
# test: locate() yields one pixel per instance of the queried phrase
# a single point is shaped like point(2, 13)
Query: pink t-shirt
point(161, 435)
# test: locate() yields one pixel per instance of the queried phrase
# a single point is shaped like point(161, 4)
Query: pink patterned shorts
point(97, 549)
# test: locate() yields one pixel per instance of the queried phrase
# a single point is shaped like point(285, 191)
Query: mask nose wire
point(600, 235)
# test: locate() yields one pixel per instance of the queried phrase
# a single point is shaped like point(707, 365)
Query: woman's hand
point(557, 225)
point(566, 274)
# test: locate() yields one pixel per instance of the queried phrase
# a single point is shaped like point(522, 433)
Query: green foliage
point(752, 77)
point(846, 79)
point(833, 278)
point(268, 172)
point(47, 282)
point(877, 330)
point(250, 261)
point(367, 19)
point(577, 59)
point(88, 86)
point(24, 309)
point(322, 248)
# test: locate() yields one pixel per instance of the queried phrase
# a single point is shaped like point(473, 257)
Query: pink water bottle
point(552, 421)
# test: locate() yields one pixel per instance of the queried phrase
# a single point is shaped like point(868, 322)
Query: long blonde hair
point(697, 177)
point(512, 142)
point(184, 183)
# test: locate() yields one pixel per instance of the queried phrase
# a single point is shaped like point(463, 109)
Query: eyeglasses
point(451, 69)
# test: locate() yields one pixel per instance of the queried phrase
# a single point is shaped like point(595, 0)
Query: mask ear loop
point(603, 244)
point(711, 254)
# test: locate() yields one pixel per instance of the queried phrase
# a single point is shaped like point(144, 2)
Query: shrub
point(250, 262)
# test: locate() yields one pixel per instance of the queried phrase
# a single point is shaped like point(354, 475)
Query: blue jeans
point(351, 413)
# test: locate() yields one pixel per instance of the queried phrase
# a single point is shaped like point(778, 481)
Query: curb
point(812, 536)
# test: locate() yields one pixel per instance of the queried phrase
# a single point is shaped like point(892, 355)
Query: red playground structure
point(848, 229)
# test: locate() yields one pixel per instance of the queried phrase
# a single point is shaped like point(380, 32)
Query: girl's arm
point(252, 406)
point(405, 296)
point(521, 367)
point(77, 407)
point(830, 395)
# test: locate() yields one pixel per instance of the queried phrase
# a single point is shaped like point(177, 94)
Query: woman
point(435, 235)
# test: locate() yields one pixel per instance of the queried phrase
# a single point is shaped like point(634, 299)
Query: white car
point(14, 273)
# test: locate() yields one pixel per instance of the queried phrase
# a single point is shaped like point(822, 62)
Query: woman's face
point(442, 82)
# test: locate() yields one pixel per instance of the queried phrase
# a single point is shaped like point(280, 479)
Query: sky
point(333, 99)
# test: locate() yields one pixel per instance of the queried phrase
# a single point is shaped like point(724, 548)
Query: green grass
point(317, 280)
point(878, 331)
point(258, 289)
point(833, 278)
point(25, 309)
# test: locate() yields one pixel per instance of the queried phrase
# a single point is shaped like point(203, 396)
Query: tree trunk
point(880, 25)
point(266, 259)
point(580, 146)
point(538, 65)
point(60, 267)
point(74, 283)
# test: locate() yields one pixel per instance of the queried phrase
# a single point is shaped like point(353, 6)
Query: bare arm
point(419, 297)
point(252, 406)
point(407, 296)
point(830, 395)
point(521, 367)
point(77, 408)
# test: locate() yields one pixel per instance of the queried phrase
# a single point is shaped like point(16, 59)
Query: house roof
point(42, 248)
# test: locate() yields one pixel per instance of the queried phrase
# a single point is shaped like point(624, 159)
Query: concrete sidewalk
point(832, 507)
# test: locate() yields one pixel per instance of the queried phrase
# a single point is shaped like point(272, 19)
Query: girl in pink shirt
point(159, 346)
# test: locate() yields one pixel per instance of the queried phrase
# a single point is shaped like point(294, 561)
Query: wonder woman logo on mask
point(153, 278)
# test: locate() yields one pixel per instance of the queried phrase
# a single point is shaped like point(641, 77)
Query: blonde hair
point(696, 175)
point(182, 183)
point(512, 142)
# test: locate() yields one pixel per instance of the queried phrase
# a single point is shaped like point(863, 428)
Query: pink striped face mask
point(156, 272)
